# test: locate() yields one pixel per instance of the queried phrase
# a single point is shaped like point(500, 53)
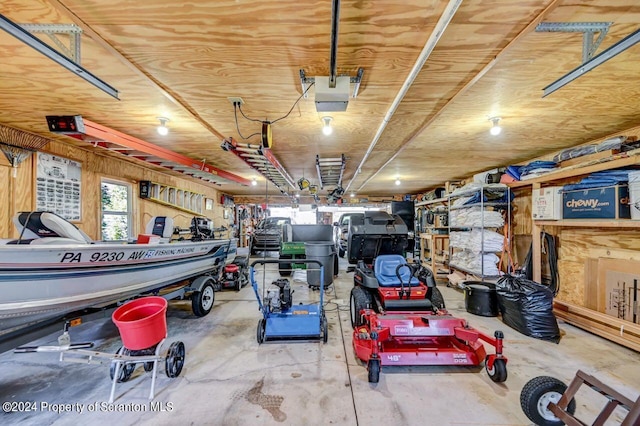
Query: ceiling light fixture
point(353, 195)
point(495, 128)
point(326, 128)
point(254, 182)
point(398, 181)
point(162, 128)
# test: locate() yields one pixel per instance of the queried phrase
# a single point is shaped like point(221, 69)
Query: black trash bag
point(527, 307)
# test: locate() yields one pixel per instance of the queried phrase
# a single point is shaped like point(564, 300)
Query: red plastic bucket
point(142, 322)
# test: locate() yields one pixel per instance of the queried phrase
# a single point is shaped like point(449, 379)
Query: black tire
point(148, 366)
point(202, 301)
point(174, 361)
point(126, 370)
point(252, 250)
point(324, 327)
point(358, 300)
point(260, 331)
point(341, 252)
point(499, 371)
point(373, 367)
point(437, 301)
point(536, 395)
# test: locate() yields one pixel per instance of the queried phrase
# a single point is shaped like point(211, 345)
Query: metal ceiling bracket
point(53, 30)
point(588, 30)
point(613, 50)
point(305, 82)
point(30, 40)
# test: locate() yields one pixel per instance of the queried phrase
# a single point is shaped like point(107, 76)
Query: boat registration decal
point(115, 256)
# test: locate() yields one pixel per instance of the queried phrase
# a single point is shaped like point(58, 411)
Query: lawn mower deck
point(399, 338)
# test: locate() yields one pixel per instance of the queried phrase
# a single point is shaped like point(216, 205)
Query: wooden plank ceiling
point(182, 60)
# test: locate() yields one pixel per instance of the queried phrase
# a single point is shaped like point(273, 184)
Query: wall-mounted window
point(116, 210)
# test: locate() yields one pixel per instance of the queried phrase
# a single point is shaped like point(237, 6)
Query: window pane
point(116, 214)
point(114, 227)
point(114, 197)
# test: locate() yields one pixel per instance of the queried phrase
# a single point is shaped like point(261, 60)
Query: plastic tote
point(142, 322)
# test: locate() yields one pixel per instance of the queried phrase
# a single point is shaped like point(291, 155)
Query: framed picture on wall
point(58, 186)
point(208, 204)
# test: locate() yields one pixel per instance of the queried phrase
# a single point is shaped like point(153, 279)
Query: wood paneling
point(182, 61)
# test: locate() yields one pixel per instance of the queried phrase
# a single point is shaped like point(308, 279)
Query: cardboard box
point(610, 202)
point(547, 203)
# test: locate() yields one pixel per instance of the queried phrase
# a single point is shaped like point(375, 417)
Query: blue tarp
point(601, 179)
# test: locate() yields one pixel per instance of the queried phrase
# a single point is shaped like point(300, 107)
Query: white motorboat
point(54, 268)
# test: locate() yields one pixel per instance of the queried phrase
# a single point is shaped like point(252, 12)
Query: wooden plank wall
point(17, 194)
point(578, 246)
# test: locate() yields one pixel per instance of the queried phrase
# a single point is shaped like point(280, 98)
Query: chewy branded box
point(547, 203)
point(610, 202)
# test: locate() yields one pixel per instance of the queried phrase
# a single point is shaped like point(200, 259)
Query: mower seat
point(385, 268)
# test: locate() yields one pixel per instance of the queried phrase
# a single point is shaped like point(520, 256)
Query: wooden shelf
point(429, 202)
point(181, 199)
point(591, 223)
point(630, 158)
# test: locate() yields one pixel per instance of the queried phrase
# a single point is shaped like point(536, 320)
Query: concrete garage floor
point(229, 380)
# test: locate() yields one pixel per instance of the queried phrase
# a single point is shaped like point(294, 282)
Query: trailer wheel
point(324, 326)
point(374, 370)
point(437, 301)
point(359, 300)
point(126, 370)
point(261, 330)
point(536, 396)
point(499, 371)
point(175, 360)
point(202, 301)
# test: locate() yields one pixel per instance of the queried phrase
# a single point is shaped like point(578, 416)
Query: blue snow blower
point(282, 320)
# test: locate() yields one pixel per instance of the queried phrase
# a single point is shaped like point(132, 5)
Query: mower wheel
point(202, 301)
point(437, 301)
point(499, 371)
point(536, 395)
point(324, 327)
point(261, 330)
point(374, 370)
point(359, 300)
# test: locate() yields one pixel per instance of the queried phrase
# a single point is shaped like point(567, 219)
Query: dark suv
point(341, 230)
point(268, 234)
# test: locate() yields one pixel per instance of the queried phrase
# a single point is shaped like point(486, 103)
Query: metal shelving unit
point(483, 207)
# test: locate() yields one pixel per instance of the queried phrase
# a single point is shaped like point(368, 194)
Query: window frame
point(128, 214)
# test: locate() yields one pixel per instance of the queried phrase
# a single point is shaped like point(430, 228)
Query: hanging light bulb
point(495, 128)
point(398, 181)
point(326, 128)
point(353, 195)
point(254, 182)
point(162, 128)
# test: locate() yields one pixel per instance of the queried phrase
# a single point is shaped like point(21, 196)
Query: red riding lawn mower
point(398, 314)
